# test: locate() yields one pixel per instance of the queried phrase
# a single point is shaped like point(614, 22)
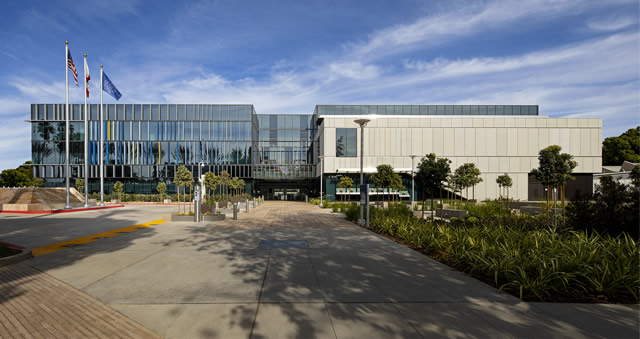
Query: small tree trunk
point(563, 188)
point(441, 203)
point(432, 210)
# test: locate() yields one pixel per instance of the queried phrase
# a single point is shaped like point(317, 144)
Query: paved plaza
point(284, 270)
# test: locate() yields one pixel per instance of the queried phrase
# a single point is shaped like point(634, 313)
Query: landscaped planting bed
point(523, 256)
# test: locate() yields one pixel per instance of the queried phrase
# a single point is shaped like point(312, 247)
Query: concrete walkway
point(223, 281)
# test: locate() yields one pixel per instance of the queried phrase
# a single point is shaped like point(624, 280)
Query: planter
point(209, 208)
point(243, 200)
point(451, 213)
point(539, 210)
point(516, 205)
point(174, 217)
point(222, 204)
point(214, 217)
point(167, 201)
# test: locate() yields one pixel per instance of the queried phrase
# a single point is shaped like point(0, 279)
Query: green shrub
point(314, 201)
point(326, 204)
point(520, 256)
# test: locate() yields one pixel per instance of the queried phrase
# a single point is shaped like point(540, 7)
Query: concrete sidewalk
point(222, 281)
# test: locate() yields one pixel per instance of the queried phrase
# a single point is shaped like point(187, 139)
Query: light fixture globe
point(362, 122)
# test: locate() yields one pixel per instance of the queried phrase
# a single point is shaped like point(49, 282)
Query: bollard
point(246, 205)
point(235, 211)
point(254, 202)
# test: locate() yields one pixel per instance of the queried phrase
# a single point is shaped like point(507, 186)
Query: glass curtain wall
point(284, 146)
point(147, 140)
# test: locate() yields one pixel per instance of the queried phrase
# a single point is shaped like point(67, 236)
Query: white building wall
point(496, 144)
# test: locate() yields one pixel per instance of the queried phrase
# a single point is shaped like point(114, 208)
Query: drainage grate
point(283, 244)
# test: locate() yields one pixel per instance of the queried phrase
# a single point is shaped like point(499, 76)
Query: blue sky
point(573, 58)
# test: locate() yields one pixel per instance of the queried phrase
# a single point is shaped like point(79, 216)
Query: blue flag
point(109, 87)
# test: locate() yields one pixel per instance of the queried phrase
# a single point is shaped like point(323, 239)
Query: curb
point(16, 258)
point(63, 211)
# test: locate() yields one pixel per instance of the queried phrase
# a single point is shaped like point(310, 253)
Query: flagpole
point(66, 119)
point(86, 137)
point(101, 144)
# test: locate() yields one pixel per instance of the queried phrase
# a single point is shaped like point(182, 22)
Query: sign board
point(364, 193)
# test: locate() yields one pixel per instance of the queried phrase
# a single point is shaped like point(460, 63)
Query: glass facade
point(284, 146)
point(145, 141)
point(426, 110)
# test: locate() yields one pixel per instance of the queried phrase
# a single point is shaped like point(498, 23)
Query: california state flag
point(87, 77)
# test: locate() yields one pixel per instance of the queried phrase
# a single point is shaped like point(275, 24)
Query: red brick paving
point(36, 305)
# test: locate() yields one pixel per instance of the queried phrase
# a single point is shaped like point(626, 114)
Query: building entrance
point(284, 191)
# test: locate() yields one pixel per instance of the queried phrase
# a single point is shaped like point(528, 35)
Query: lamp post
point(413, 191)
point(362, 123)
point(321, 157)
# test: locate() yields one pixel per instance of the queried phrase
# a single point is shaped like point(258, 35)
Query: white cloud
point(612, 22)
point(470, 19)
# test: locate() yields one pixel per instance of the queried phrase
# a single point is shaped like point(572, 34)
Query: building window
point(346, 142)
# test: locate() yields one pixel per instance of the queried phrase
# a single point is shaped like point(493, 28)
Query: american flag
point(72, 66)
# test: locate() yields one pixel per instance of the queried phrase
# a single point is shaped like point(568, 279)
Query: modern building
point(278, 154)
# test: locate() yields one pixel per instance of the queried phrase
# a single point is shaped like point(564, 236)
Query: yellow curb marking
point(90, 238)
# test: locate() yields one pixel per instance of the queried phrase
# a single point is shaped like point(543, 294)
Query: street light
point(321, 157)
point(413, 191)
point(362, 123)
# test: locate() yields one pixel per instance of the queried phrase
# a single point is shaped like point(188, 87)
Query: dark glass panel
point(182, 112)
point(155, 112)
point(137, 112)
point(190, 112)
point(128, 112)
point(146, 112)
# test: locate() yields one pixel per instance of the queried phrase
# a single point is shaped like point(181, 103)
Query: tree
point(376, 181)
point(396, 184)
point(472, 174)
point(385, 175)
point(118, 187)
point(161, 188)
point(546, 171)
point(504, 181)
point(225, 178)
point(233, 185)
point(242, 186)
point(635, 176)
point(554, 170)
point(614, 208)
point(566, 165)
point(211, 181)
point(80, 185)
point(346, 183)
point(615, 150)
point(37, 182)
point(19, 177)
point(462, 178)
point(182, 178)
point(432, 171)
